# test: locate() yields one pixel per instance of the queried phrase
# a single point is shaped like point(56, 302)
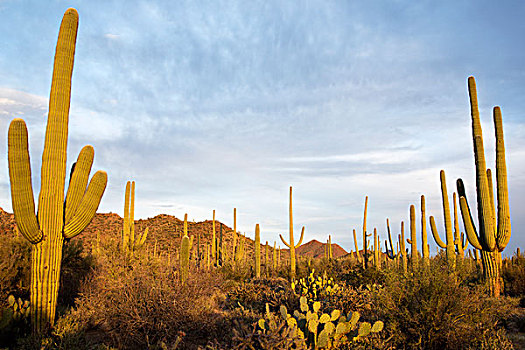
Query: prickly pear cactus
point(315, 287)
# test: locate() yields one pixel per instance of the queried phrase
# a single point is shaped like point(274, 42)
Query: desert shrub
point(76, 266)
point(255, 293)
point(140, 303)
point(356, 275)
point(431, 308)
point(513, 274)
point(15, 268)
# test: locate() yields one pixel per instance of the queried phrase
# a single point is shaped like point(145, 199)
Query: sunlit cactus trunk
point(57, 220)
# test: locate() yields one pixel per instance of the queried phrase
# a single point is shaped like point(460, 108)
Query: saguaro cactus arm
point(88, 205)
point(20, 178)
point(295, 245)
point(78, 181)
point(504, 228)
point(472, 235)
point(435, 233)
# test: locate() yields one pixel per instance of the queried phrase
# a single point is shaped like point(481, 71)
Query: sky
point(215, 105)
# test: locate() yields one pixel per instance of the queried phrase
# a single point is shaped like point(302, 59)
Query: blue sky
point(216, 105)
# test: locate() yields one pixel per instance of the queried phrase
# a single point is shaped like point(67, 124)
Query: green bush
point(432, 308)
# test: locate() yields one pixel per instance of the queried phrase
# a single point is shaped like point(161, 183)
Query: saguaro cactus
point(449, 246)
point(185, 253)
point(129, 243)
point(365, 235)
point(292, 244)
point(414, 256)
point(424, 239)
point(257, 251)
point(390, 253)
point(401, 239)
point(57, 220)
point(274, 261)
point(494, 230)
point(377, 263)
point(459, 237)
point(358, 256)
point(213, 242)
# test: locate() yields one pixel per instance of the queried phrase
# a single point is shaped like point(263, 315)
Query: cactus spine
point(257, 252)
point(185, 253)
point(56, 220)
point(129, 244)
point(494, 230)
point(292, 244)
point(425, 249)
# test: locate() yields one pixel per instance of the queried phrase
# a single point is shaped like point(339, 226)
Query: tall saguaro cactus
point(494, 231)
point(401, 239)
point(213, 242)
point(257, 251)
point(449, 246)
point(365, 234)
point(292, 244)
point(424, 239)
point(185, 247)
point(414, 256)
point(459, 237)
point(57, 220)
point(129, 243)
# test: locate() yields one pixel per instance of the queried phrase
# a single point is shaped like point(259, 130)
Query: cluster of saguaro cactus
point(494, 228)
point(130, 243)
point(292, 244)
point(56, 220)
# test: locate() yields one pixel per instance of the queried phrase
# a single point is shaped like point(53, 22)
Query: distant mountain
point(316, 249)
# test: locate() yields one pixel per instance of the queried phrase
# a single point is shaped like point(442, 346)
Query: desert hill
point(316, 249)
point(165, 231)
